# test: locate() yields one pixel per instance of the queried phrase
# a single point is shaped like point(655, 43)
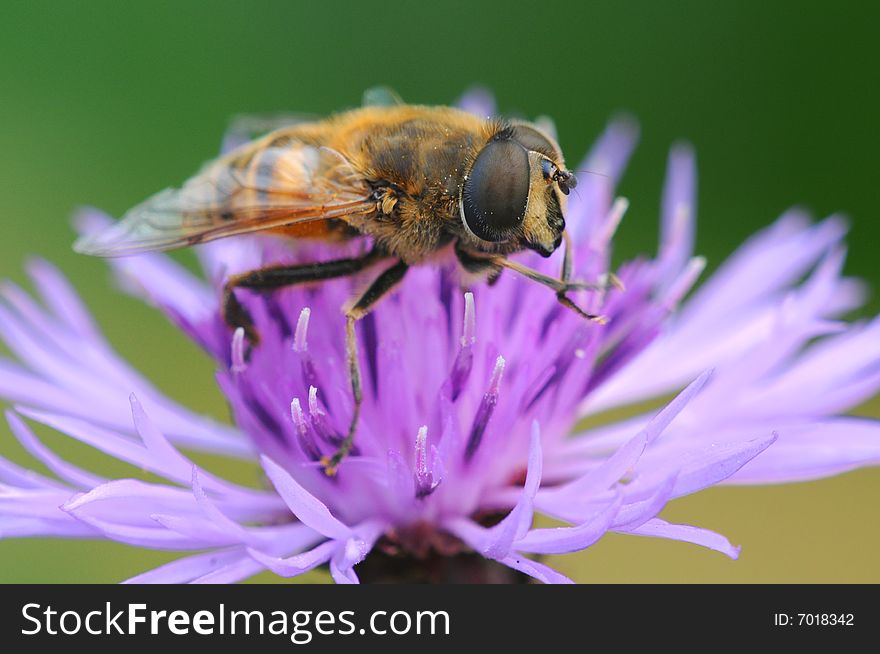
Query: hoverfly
point(413, 179)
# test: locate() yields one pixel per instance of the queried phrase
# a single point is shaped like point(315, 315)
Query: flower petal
point(189, 568)
point(661, 529)
point(708, 467)
point(297, 565)
point(534, 569)
point(67, 471)
point(813, 449)
point(303, 504)
point(478, 101)
point(677, 220)
point(517, 522)
point(561, 540)
point(18, 527)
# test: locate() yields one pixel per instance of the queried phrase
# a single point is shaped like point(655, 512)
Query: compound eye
point(496, 191)
point(533, 139)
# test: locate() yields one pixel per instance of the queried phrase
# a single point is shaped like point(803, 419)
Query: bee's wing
point(381, 96)
point(252, 189)
point(245, 128)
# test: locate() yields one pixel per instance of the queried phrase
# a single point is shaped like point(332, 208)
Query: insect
point(415, 180)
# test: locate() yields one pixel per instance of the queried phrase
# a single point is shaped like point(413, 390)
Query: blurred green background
point(104, 103)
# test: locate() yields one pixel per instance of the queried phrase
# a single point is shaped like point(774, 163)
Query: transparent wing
point(245, 128)
point(381, 96)
point(252, 189)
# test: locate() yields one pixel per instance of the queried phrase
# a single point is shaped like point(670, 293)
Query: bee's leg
point(361, 307)
point(476, 262)
point(274, 277)
point(565, 278)
point(493, 277)
point(606, 281)
point(477, 265)
point(567, 258)
point(561, 286)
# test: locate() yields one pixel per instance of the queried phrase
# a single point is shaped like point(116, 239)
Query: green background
point(105, 102)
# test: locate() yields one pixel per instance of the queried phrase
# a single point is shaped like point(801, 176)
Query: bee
point(414, 180)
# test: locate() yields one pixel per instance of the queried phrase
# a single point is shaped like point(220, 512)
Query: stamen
point(303, 432)
point(468, 334)
point(461, 367)
point(484, 411)
point(424, 477)
point(683, 283)
point(302, 327)
point(461, 371)
point(321, 424)
point(309, 374)
point(314, 409)
point(301, 347)
point(238, 362)
point(319, 420)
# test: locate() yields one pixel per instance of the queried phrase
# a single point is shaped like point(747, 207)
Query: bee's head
point(515, 191)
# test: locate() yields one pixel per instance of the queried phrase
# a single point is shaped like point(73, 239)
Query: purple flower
point(472, 400)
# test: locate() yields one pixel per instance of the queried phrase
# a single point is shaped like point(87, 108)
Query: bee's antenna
point(591, 172)
point(588, 172)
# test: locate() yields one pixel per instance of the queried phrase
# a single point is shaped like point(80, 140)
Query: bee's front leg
point(476, 262)
point(606, 281)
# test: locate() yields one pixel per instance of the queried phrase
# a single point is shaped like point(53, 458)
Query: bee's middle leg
point(275, 277)
point(360, 308)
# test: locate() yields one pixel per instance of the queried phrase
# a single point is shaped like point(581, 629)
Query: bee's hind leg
point(275, 277)
point(361, 307)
